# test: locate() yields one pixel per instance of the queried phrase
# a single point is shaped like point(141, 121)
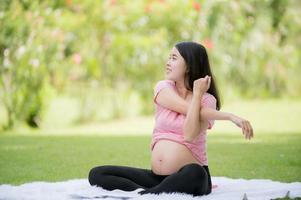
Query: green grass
point(61, 153)
point(267, 156)
point(55, 158)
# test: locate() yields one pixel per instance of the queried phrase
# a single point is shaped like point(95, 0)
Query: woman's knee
point(197, 176)
point(194, 170)
point(96, 174)
point(92, 176)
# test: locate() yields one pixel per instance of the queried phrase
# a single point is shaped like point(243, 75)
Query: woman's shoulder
point(166, 81)
point(208, 97)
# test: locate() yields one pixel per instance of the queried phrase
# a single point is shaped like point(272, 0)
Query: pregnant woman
point(186, 105)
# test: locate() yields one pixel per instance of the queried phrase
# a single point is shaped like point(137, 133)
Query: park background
point(77, 78)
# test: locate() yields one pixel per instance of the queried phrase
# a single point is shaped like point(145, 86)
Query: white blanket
point(80, 189)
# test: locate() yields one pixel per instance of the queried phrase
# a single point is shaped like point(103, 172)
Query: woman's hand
point(201, 85)
point(244, 124)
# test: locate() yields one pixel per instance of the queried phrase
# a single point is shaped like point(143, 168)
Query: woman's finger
point(250, 130)
point(209, 82)
point(242, 127)
point(247, 129)
point(245, 133)
point(244, 130)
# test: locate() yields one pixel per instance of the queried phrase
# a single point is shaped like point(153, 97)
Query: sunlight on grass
point(62, 153)
point(55, 158)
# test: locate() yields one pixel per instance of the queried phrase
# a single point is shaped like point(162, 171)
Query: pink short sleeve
point(161, 85)
point(210, 102)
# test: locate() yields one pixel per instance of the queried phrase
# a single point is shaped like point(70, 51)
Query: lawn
point(49, 155)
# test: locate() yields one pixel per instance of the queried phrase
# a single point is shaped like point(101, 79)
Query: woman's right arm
point(172, 101)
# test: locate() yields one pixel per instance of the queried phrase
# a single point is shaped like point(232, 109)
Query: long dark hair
point(197, 62)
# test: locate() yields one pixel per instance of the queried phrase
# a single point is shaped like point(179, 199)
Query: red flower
point(77, 58)
point(148, 8)
point(208, 43)
point(112, 2)
point(196, 6)
point(68, 2)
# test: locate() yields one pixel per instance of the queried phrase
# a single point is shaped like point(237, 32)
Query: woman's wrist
point(197, 94)
point(230, 116)
point(196, 100)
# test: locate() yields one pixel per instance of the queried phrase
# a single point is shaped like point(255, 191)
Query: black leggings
point(192, 179)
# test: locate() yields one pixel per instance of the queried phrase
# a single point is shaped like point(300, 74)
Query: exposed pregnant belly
point(169, 156)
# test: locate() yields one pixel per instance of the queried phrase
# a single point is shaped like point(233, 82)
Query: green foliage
point(257, 46)
point(23, 76)
point(123, 46)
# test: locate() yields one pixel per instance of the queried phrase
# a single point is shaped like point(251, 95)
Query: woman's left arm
point(197, 118)
point(192, 124)
point(171, 100)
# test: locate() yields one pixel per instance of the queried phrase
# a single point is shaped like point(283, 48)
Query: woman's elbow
point(188, 136)
point(188, 139)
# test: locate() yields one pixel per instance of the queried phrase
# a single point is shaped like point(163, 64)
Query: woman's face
point(175, 66)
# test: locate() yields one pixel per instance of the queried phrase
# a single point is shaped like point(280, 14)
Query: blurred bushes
point(110, 53)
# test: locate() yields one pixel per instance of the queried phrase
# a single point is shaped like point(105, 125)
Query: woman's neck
point(183, 92)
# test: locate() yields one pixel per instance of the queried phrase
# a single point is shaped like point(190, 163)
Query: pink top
point(169, 124)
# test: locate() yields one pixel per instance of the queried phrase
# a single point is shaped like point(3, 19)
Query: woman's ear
point(187, 69)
